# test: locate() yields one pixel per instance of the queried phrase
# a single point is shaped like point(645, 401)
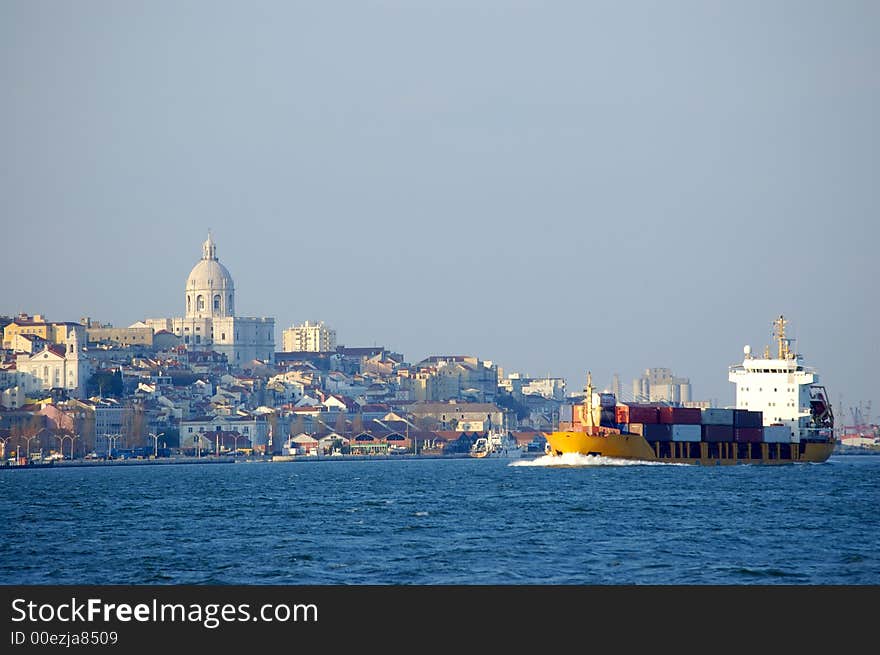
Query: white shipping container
point(716, 416)
point(682, 432)
point(777, 434)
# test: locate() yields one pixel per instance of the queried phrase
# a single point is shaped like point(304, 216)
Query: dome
point(209, 287)
point(209, 274)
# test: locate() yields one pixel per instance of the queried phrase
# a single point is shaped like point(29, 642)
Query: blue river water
point(442, 522)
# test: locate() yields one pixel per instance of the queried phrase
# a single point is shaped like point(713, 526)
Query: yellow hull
point(634, 446)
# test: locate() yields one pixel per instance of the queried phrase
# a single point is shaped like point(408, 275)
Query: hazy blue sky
point(554, 186)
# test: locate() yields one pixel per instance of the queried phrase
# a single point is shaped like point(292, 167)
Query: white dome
point(209, 274)
point(209, 287)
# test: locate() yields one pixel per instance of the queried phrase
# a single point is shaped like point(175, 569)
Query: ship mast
point(588, 401)
point(779, 332)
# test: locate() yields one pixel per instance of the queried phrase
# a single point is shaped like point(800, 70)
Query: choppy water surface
point(443, 522)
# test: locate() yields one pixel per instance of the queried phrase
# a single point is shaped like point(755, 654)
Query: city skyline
point(605, 188)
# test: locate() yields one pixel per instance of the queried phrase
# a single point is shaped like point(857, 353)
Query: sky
point(556, 187)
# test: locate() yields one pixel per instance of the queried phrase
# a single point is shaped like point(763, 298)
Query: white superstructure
point(787, 392)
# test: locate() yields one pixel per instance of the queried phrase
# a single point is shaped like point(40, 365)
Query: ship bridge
point(780, 387)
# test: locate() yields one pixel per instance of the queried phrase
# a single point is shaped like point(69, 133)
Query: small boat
point(499, 445)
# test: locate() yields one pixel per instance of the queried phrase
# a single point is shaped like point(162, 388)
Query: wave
point(576, 459)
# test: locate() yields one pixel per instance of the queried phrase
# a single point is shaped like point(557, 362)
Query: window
point(190, 429)
point(217, 303)
point(200, 303)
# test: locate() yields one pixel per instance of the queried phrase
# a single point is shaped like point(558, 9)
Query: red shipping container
point(748, 435)
point(717, 433)
point(636, 414)
point(680, 415)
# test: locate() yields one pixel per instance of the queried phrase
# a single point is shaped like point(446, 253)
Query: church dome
point(209, 288)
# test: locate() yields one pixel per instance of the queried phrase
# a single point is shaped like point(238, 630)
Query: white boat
point(498, 445)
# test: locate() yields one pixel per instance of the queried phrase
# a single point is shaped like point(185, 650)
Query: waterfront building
point(210, 322)
point(473, 417)
point(309, 337)
point(255, 428)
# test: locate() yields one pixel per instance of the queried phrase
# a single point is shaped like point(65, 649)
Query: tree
point(171, 438)
point(105, 383)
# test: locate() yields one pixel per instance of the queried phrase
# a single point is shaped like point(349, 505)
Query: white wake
point(576, 459)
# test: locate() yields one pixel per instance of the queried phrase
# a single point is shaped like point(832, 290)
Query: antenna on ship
point(784, 347)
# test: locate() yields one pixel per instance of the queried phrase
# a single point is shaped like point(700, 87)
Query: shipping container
point(748, 435)
point(716, 416)
point(651, 431)
point(636, 414)
point(716, 433)
point(680, 415)
point(608, 417)
point(777, 434)
point(743, 418)
point(607, 400)
point(686, 432)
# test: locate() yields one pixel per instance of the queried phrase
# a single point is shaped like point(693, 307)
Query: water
point(443, 522)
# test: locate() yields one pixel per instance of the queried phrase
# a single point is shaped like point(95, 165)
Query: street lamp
point(62, 438)
point(111, 438)
point(235, 437)
point(156, 442)
point(73, 438)
point(29, 439)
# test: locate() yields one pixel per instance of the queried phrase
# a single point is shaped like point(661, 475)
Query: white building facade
point(61, 366)
point(309, 337)
point(210, 322)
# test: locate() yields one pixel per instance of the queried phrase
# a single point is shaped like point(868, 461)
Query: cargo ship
point(782, 416)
